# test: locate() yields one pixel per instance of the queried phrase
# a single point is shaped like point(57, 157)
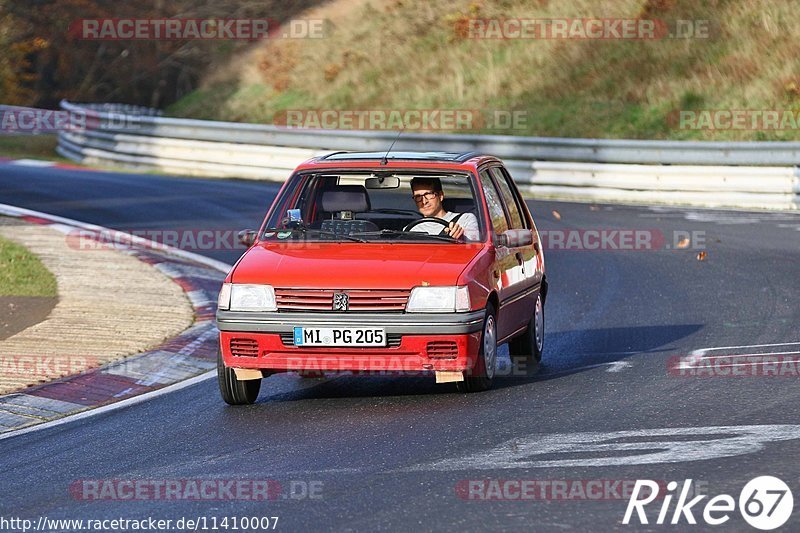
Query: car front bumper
point(417, 342)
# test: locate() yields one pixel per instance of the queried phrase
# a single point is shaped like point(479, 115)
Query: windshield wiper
point(304, 230)
point(412, 234)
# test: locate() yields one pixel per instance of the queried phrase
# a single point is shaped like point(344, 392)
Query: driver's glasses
point(419, 198)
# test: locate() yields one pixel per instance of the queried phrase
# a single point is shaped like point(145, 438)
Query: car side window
point(494, 203)
point(517, 219)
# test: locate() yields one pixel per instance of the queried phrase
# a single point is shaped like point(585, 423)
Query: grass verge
point(31, 147)
point(22, 273)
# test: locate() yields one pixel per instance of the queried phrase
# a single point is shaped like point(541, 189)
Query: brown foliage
point(652, 8)
point(47, 60)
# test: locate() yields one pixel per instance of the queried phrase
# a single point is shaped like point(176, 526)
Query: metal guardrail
point(125, 109)
point(740, 174)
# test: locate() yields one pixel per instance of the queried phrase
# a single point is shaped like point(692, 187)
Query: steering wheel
point(422, 220)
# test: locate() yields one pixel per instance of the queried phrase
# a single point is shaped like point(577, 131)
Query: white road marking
point(622, 448)
point(712, 357)
point(721, 215)
point(696, 357)
point(618, 366)
point(112, 407)
point(722, 218)
point(32, 163)
point(695, 360)
point(613, 366)
point(759, 363)
point(703, 351)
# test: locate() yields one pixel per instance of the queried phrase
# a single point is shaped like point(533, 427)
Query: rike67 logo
point(765, 503)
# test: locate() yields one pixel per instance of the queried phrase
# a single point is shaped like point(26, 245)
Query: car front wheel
point(528, 346)
point(235, 391)
point(480, 376)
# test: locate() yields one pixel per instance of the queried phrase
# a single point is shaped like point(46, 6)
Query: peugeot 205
point(372, 262)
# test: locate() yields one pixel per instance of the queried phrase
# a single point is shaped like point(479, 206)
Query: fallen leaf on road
point(701, 256)
point(683, 243)
point(556, 215)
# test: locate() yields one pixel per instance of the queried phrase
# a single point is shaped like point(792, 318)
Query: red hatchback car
point(402, 262)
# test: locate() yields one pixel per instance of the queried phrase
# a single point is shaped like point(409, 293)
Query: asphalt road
point(395, 453)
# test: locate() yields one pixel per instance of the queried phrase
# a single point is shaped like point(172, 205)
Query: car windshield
point(376, 206)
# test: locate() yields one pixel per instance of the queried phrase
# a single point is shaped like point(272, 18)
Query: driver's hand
point(454, 230)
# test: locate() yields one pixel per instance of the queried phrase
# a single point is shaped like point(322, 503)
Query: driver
point(428, 195)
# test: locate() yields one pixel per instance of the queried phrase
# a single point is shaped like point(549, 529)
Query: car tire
point(529, 346)
point(481, 375)
point(235, 391)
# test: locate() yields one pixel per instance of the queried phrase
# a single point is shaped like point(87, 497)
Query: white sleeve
point(469, 222)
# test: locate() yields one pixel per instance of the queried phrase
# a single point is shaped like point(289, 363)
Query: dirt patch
point(20, 312)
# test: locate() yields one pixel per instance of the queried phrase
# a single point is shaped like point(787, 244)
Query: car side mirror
point(515, 238)
point(247, 237)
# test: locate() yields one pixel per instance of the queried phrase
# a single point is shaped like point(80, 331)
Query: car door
point(519, 218)
point(509, 276)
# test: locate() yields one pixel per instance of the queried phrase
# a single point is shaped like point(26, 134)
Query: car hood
point(354, 265)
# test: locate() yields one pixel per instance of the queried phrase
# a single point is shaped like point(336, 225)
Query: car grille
point(360, 299)
point(393, 340)
point(244, 347)
point(442, 349)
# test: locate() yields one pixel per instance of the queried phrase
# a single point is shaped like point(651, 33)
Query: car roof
point(415, 156)
point(398, 159)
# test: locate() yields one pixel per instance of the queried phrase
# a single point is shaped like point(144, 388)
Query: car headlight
point(438, 300)
point(243, 297)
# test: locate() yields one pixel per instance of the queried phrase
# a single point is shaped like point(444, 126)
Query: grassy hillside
point(412, 54)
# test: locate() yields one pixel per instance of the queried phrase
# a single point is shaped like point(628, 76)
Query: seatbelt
point(455, 219)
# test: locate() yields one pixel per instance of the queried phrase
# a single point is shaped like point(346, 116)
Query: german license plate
point(339, 336)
